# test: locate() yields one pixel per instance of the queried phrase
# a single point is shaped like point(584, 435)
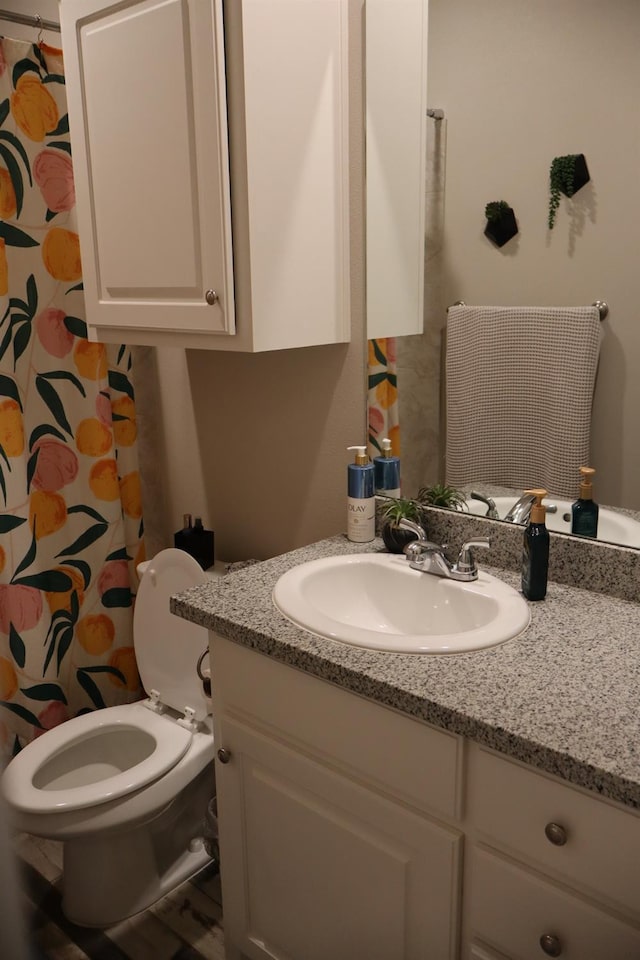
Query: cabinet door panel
point(512, 908)
point(145, 87)
point(393, 753)
point(297, 169)
point(316, 866)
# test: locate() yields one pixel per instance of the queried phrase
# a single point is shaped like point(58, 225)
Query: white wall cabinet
point(210, 148)
point(349, 830)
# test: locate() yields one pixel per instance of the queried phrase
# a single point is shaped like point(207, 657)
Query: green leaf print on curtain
point(70, 510)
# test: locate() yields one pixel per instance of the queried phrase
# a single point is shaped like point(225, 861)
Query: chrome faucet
point(520, 511)
point(419, 531)
point(430, 558)
point(492, 512)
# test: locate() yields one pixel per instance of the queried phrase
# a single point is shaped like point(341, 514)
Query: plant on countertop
point(567, 175)
point(501, 223)
point(441, 495)
point(395, 537)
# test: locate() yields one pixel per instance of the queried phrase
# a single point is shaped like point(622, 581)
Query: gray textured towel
point(519, 388)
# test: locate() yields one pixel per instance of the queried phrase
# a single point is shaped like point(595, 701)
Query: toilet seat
point(168, 647)
point(165, 740)
point(106, 754)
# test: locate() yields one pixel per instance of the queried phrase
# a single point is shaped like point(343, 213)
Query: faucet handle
point(466, 561)
point(416, 550)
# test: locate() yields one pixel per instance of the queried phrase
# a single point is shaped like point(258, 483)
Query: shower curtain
point(70, 509)
point(383, 396)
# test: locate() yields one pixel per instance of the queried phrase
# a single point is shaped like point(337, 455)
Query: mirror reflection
point(520, 84)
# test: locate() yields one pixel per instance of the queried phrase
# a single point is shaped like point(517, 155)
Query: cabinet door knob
point(551, 945)
point(224, 755)
point(556, 834)
point(211, 297)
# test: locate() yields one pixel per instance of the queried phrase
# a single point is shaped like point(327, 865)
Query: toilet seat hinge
point(188, 720)
point(154, 703)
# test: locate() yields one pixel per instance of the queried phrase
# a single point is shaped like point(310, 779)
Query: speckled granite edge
point(561, 698)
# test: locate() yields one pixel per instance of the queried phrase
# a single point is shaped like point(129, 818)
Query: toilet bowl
point(126, 788)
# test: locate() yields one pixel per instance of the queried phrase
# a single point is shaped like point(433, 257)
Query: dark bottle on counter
point(182, 539)
point(196, 541)
point(202, 545)
point(535, 553)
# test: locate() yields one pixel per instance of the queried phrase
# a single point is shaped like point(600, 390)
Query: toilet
point(127, 788)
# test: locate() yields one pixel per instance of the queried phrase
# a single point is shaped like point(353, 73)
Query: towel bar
point(602, 305)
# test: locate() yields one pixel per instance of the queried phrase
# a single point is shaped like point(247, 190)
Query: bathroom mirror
point(520, 83)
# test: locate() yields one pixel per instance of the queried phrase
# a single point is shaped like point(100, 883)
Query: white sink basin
point(377, 601)
point(612, 527)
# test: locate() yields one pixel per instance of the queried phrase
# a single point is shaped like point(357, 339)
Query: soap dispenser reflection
point(387, 471)
point(584, 511)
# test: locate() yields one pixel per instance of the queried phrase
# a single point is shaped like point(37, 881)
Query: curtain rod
point(30, 20)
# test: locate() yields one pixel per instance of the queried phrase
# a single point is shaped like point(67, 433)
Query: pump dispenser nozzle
point(386, 447)
point(361, 457)
point(538, 510)
point(586, 486)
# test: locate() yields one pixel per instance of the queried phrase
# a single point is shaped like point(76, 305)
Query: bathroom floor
point(184, 925)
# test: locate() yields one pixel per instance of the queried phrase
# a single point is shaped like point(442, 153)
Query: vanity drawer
point(512, 909)
point(597, 844)
point(406, 758)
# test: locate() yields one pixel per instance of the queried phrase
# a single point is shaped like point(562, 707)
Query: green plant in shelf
point(496, 210)
point(562, 175)
point(441, 495)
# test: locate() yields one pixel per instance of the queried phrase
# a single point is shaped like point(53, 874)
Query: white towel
point(519, 388)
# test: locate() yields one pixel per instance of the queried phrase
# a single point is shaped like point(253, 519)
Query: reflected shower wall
point(418, 361)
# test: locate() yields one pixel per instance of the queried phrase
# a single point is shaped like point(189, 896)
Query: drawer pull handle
point(224, 755)
point(551, 945)
point(556, 834)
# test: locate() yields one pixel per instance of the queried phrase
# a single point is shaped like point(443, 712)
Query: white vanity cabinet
point(348, 830)
point(331, 835)
point(211, 162)
point(550, 870)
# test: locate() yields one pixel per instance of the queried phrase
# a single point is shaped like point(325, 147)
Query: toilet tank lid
point(168, 647)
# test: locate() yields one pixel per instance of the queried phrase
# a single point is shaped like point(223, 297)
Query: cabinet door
point(396, 59)
point(316, 866)
point(146, 93)
point(288, 126)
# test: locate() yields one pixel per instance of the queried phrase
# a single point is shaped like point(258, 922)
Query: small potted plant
point(441, 495)
point(396, 537)
point(501, 222)
point(567, 175)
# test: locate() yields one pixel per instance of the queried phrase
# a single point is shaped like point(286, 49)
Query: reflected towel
point(519, 389)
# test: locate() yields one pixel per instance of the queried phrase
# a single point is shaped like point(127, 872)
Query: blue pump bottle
point(361, 501)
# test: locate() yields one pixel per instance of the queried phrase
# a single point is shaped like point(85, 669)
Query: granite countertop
point(564, 696)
